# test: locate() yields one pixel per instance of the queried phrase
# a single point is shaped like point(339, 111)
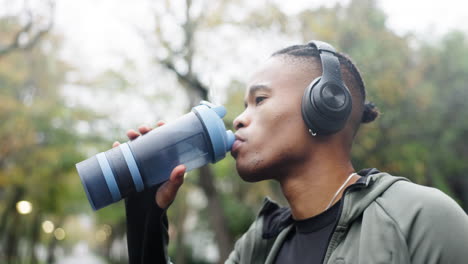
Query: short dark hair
point(350, 73)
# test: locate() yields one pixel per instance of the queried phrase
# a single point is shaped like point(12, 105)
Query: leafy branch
point(29, 33)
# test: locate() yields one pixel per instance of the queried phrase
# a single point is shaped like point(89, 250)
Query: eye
point(259, 99)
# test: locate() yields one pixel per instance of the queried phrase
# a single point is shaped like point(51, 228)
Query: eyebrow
point(258, 87)
point(255, 88)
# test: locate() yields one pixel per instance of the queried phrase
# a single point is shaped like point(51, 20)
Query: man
point(298, 129)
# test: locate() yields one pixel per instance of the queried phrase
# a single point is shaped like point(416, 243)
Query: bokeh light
point(59, 233)
point(24, 207)
point(48, 226)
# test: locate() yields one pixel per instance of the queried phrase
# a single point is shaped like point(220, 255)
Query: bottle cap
point(211, 117)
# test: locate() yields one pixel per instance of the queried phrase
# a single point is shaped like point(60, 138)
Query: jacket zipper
point(349, 188)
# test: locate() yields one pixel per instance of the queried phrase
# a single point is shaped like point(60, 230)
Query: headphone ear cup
point(325, 107)
point(307, 106)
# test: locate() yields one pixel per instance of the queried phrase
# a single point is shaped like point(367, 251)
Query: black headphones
point(327, 103)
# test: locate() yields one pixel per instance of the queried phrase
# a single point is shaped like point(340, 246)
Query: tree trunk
point(12, 238)
point(10, 218)
point(196, 90)
point(35, 232)
point(53, 245)
point(181, 256)
point(50, 251)
point(11, 207)
point(217, 217)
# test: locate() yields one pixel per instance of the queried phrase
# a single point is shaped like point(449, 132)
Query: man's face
point(271, 134)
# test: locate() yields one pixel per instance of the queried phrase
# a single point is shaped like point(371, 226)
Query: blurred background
point(75, 75)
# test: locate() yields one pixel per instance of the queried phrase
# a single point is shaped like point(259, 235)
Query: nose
point(241, 120)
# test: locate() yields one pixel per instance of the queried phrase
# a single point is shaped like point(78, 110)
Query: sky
point(408, 15)
point(113, 25)
point(101, 35)
point(417, 16)
point(104, 34)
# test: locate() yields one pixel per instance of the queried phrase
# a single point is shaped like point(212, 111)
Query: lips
point(237, 144)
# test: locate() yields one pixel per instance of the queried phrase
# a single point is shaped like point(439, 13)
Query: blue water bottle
point(194, 139)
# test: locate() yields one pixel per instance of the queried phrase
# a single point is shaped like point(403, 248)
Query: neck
point(310, 187)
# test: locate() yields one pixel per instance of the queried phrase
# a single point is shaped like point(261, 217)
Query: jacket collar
point(276, 218)
point(356, 198)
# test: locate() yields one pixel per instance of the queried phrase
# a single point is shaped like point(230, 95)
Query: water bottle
point(194, 139)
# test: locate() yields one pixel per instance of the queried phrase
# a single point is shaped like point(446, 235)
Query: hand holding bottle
point(168, 190)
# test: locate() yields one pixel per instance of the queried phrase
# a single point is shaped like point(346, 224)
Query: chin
point(252, 173)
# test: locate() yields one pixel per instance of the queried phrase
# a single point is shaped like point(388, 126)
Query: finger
point(132, 134)
point(168, 191)
point(160, 123)
point(144, 129)
point(177, 175)
point(115, 144)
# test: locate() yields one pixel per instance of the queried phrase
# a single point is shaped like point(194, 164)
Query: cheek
point(289, 130)
point(282, 130)
point(292, 137)
point(277, 146)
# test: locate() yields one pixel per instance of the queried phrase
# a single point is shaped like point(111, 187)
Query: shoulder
point(406, 199)
point(433, 224)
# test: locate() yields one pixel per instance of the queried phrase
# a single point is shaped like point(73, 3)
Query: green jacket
point(383, 219)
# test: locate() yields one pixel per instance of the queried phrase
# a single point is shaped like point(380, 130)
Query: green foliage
point(39, 145)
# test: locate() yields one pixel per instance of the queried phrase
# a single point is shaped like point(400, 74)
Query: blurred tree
point(29, 33)
point(39, 143)
point(441, 118)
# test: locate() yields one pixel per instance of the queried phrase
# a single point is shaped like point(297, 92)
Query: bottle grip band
point(109, 176)
point(132, 167)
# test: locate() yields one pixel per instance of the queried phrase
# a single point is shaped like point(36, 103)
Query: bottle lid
point(211, 116)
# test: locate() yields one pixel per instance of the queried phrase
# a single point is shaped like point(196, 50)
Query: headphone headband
point(321, 46)
point(330, 63)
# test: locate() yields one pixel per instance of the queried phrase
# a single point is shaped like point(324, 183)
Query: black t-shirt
point(307, 242)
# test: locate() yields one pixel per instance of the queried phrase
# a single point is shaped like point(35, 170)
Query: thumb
point(168, 191)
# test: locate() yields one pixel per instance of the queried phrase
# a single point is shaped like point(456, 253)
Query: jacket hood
point(361, 194)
